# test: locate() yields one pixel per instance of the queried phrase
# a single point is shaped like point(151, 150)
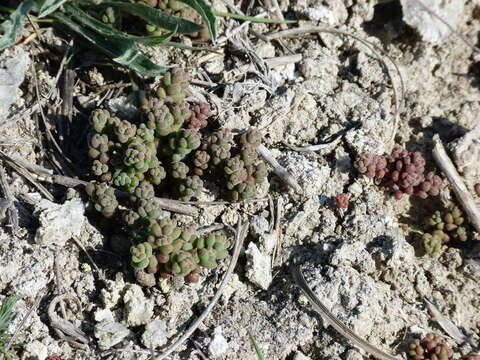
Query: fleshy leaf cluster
point(431, 347)
point(165, 150)
point(401, 171)
point(442, 227)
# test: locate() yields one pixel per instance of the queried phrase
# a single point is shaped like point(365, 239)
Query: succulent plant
point(143, 258)
point(156, 174)
point(163, 151)
point(150, 210)
point(199, 115)
point(179, 170)
point(181, 143)
point(103, 197)
point(99, 147)
point(127, 180)
point(173, 85)
point(431, 347)
point(401, 171)
point(190, 188)
point(181, 263)
point(251, 137)
point(99, 119)
point(219, 145)
point(235, 171)
point(144, 191)
point(472, 356)
point(433, 242)
point(200, 161)
point(442, 227)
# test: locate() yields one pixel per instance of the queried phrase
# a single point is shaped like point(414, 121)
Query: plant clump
point(442, 227)
point(431, 347)
point(166, 151)
point(401, 171)
point(341, 204)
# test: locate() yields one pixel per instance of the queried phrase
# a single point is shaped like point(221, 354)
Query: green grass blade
point(122, 51)
point(156, 17)
point(49, 6)
point(14, 25)
point(186, 47)
point(207, 14)
point(252, 18)
point(5, 318)
point(103, 29)
point(255, 346)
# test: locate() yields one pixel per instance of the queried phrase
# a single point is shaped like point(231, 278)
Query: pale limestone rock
point(138, 310)
point(258, 267)
point(59, 223)
point(155, 334)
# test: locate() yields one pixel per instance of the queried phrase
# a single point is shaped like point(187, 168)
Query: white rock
point(59, 223)
point(219, 345)
point(430, 28)
point(123, 105)
point(111, 294)
point(331, 12)
point(258, 226)
point(104, 315)
point(138, 310)
point(110, 333)
point(234, 285)
point(258, 267)
point(155, 334)
point(13, 64)
point(300, 356)
point(35, 350)
point(268, 242)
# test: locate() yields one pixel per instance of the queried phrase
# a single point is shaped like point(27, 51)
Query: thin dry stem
point(281, 172)
point(463, 195)
point(332, 320)
point(25, 318)
point(242, 230)
point(371, 46)
point(450, 27)
point(11, 211)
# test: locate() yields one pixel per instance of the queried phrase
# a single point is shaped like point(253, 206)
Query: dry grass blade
point(371, 46)
point(11, 211)
point(450, 27)
point(463, 195)
point(241, 234)
point(448, 326)
point(332, 320)
point(278, 169)
point(21, 170)
point(22, 323)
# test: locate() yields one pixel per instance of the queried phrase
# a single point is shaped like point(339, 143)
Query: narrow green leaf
point(14, 25)
point(254, 344)
point(108, 31)
point(49, 6)
point(186, 47)
point(156, 17)
point(252, 18)
point(207, 14)
point(122, 51)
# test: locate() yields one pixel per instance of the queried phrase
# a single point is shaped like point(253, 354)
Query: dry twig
point(463, 196)
point(332, 320)
point(10, 206)
point(279, 169)
point(371, 46)
point(66, 330)
point(24, 320)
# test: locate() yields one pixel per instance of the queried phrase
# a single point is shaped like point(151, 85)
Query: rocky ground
point(367, 266)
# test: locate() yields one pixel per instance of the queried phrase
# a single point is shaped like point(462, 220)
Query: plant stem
point(252, 18)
